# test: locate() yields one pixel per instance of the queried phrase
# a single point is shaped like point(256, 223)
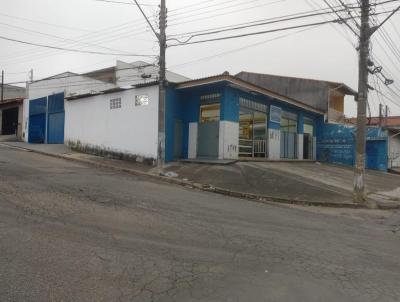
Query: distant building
point(326, 96)
point(11, 110)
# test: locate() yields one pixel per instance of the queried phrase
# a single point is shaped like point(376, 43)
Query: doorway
point(208, 131)
point(252, 133)
point(9, 122)
point(288, 135)
point(308, 145)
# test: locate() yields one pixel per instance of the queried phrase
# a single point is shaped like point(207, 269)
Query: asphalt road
point(71, 232)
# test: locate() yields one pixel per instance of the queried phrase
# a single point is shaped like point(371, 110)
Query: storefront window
point(309, 126)
point(210, 113)
point(289, 122)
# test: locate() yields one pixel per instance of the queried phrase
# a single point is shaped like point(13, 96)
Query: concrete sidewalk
point(303, 183)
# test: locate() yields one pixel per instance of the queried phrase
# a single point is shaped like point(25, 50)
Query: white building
point(118, 123)
point(44, 109)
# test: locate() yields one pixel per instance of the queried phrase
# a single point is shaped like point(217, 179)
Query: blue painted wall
point(336, 145)
point(173, 111)
point(185, 105)
point(46, 120)
point(55, 119)
point(37, 121)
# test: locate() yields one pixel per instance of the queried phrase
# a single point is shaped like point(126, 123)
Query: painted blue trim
point(229, 105)
point(300, 123)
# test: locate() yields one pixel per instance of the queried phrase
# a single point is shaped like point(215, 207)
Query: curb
point(209, 188)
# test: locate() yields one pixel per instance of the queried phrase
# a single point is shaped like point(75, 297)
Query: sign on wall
point(276, 114)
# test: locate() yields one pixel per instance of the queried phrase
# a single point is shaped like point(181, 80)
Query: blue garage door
point(377, 158)
point(37, 121)
point(56, 117)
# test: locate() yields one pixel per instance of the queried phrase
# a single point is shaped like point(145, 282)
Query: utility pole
point(380, 115)
point(362, 100)
point(2, 85)
point(162, 39)
point(162, 86)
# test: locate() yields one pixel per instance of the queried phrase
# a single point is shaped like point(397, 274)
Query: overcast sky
point(324, 52)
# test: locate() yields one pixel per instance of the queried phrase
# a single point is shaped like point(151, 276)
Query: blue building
point(224, 117)
point(221, 117)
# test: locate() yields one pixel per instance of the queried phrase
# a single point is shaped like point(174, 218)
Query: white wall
point(25, 120)
point(274, 144)
point(193, 130)
point(300, 146)
point(394, 151)
point(131, 129)
point(228, 140)
point(314, 148)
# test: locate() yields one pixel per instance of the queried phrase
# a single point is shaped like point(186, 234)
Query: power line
point(97, 72)
point(263, 32)
point(257, 23)
point(128, 3)
point(74, 50)
point(240, 48)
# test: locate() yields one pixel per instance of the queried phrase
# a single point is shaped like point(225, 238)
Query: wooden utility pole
point(162, 86)
point(362, 100)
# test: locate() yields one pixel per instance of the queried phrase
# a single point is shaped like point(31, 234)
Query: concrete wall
point(336, 145)
point(131, 130)
point(25, 120)
point(228, 140)
point(313, 93)
point(13, 92)
point(192, 146)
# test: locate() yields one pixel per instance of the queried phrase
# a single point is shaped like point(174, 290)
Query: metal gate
point(288, 145)
point(208, 140)
point(377, 157)
point(56, 117)
point(178, 135)
point(37, 121)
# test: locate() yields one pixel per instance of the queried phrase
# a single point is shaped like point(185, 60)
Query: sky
point(325, 52)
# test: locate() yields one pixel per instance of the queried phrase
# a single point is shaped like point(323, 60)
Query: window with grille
point(252, 105)
point(141, 100)
point(210, 98)
point(115, 103)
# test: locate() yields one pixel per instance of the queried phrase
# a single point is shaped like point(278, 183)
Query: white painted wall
point(394, 151)
point(69, 83)
point(131, 129)
point(25, 120)
point(228, 140)
point(274, 144)
point(192, 148)
point(300, 146)
point(314, 148)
